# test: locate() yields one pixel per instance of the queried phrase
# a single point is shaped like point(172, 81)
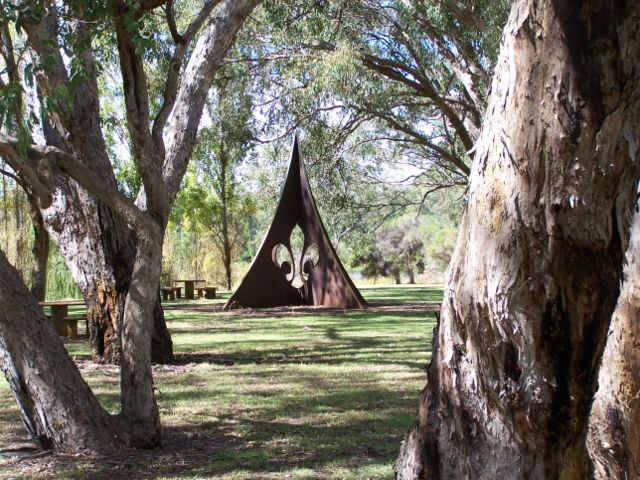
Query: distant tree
point(220, 150)
point(392, 250)
point(401, 249)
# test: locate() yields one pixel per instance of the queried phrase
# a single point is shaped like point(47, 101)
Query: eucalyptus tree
point(535, 275)
point(110, 241)
point(220, 149)
point(411, 76)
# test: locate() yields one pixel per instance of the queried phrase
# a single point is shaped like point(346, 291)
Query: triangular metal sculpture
point(282, 276)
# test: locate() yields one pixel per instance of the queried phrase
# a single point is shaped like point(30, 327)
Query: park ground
point(290, 393)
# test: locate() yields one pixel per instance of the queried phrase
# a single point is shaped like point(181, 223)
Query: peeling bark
point(614, 425)
point(534, 277)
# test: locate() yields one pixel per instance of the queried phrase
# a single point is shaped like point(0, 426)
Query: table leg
point(58, 312)
point(72, 328)
point(188, 290)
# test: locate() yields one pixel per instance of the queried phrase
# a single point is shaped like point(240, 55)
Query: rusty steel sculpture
point(296, 263)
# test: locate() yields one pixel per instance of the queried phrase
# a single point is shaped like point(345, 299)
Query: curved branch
point(171, 22)
point(170, 93)
point(38, 182)
point(205, 60)
point(67, 163)
point(396, 125)
point(13, 177)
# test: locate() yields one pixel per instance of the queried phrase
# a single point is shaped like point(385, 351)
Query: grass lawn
point(303, 393)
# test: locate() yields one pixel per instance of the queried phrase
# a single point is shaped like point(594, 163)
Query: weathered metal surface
point(285, 272)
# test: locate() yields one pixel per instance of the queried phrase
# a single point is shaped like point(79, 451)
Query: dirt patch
point(184, 448)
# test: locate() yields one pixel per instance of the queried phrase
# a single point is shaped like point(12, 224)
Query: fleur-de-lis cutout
point(296, 263)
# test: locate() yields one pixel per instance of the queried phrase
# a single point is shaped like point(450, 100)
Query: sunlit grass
point(301, 394)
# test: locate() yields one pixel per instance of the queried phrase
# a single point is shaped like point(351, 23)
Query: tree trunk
point(139, 408)
point(39, 251)
point(534, 277)
point(20, 234)
point(55, 403)
point(614, 426)
point(99, 250)
point(224, 196)
point(412, 277)
point(96, 244)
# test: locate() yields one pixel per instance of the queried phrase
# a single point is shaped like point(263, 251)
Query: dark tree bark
point(534, 278)
point(99, 249)
point(56, 405)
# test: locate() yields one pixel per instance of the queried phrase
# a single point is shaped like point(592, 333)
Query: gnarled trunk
point(99, 250)
point(55, 403)
point(614, 425)
point(96, 244)
point(534, 277)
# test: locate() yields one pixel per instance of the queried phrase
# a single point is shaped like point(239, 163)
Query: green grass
point(275, 394)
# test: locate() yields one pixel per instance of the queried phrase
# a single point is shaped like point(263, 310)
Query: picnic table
point(189, 287)
point(65, 325)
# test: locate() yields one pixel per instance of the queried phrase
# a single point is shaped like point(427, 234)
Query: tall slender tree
point(220, 150)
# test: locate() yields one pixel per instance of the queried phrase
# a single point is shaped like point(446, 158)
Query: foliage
point(369, 138)
point(16, 235)
point(408, 77)
point(60, 283)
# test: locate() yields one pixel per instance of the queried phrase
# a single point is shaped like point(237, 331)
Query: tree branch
point(149, 157)
point(94, 184)
point(13, 177)
point(38, 182)
point(396, 125)
point(463, 14)
point(170, 93)
point(205, 60)
point(393, 70)
point(171, 22)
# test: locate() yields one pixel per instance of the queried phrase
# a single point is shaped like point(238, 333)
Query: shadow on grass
point(364, 427)
point(271, 395)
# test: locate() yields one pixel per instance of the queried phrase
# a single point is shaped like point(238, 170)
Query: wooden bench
point(208, 292)
point(66, 325)
point(168, 293)
point(71, 325)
